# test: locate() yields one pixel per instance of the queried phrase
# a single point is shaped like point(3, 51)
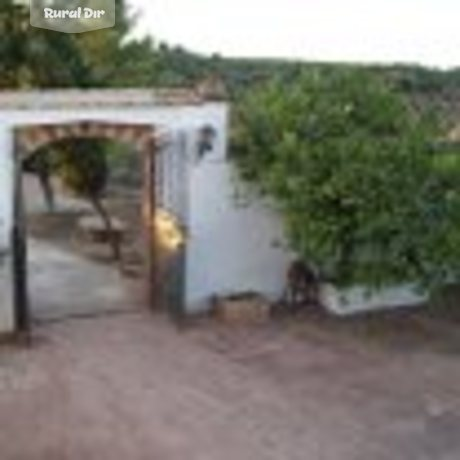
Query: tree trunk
point(45, 182)
point(106, 219)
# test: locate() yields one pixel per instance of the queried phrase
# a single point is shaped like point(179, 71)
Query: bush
point(353, 170)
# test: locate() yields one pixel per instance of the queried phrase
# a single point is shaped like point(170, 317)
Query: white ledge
point(98, 98)
point(358, 299)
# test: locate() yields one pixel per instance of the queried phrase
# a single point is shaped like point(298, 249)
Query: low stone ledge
point(359, 299)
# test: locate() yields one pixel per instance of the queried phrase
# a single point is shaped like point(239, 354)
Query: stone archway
point(30, 138)
point(146, 141)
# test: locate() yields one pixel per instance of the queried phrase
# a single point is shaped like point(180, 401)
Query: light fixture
point(207, 136)
point(170, 234)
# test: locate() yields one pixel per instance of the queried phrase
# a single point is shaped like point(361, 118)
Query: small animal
point(302, 286)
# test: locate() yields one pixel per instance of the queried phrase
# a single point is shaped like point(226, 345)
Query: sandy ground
point(63, 280)
point(63, 284)
point(131, 387)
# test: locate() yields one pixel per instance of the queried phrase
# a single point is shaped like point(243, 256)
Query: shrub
point(353, 169)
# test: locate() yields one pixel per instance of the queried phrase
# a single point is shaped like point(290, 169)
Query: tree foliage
point(36, 58)
point(355, 174)
point(83, 167)
point(39, 58)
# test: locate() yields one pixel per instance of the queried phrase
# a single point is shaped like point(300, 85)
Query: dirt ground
point(63, 284)
point(131, 387)
point(69, 275)
point(127, 385)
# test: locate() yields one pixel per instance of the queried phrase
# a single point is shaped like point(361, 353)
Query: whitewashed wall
point(6, 220)
point(236, 242)
point(231, 248)
point(6, 184)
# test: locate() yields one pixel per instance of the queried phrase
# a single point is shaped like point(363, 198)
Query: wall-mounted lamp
point(206, 140)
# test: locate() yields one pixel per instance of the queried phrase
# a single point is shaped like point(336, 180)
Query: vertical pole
point(149, 208)
point(21, 298)
point(177, 286)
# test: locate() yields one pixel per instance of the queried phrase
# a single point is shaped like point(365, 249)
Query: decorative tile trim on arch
point(31, 138)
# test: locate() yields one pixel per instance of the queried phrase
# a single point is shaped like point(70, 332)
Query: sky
point(378, 31)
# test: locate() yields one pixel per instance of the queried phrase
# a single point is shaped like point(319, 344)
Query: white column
point(6, 222)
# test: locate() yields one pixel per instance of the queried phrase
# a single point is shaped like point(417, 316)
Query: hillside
point(430, 88)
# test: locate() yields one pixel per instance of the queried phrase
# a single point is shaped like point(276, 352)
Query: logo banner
point(72, 16)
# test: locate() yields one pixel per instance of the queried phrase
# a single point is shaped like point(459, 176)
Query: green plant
point(82, 164)
point(351, 166)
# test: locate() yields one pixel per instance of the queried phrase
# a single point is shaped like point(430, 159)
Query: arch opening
point(139, 144)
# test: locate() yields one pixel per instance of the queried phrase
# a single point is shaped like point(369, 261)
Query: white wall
point(231, 248)
point(184, 118)
point(6, 214)
point(236, 243)
point(167, 117)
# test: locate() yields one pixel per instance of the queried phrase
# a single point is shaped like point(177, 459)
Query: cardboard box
point(242, 308)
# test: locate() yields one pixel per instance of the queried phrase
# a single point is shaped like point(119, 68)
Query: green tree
point(39, 58)
point(351, 167)
point(83, 167)
point(36, 58)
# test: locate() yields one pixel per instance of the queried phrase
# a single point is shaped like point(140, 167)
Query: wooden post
point(149, 209)
point(21, 295)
